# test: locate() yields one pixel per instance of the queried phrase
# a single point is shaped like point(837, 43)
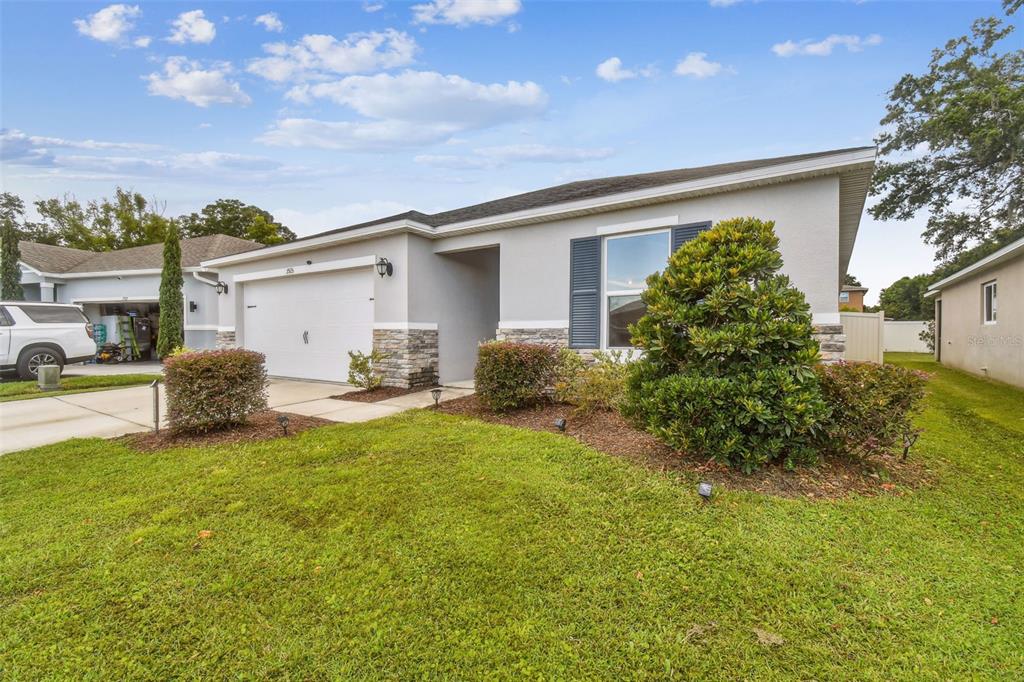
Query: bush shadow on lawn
point(609, 432)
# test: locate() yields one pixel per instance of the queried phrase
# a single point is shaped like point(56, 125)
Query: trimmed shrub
point(873, 407)
point(600, 385)
point(510, 375)
point(728, 365)
point(208, 390)
point(362, 369)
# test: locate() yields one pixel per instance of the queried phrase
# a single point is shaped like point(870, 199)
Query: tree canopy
point(904, 299)
point(953, 141)
point(232, 217)
point(129, 219)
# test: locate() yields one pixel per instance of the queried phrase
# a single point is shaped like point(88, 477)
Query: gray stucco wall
point(200, 325)
point(535, 258)
point(991, 350)
point(452, 283)
point(459, 292)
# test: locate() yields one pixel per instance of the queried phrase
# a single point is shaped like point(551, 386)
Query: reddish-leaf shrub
point(510, 375)
point(872, 407)
point(208, 390)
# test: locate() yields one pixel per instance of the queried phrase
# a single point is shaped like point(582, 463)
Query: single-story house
point(851, 298)
point(979, 316)
point(127, 282)
point(563, 265)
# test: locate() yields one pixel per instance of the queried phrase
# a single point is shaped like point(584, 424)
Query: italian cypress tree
point(727, 369)
point(171, 333)
point(10, 254)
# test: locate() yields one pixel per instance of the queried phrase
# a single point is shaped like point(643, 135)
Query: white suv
point(34, 334)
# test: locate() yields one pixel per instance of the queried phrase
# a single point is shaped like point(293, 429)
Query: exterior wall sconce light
point(384, 267)
point(193, 306)
point(222, 287)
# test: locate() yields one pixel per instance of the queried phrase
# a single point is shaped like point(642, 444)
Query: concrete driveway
point(105, 414)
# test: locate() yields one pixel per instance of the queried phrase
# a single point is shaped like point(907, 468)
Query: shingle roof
point(848, 287)
point(587, 189)
point(59, 259)
point(46, 258)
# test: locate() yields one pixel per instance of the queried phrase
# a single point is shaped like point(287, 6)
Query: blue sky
point(330, 113)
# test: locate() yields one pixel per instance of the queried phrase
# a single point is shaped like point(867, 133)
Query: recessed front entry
point(306, 324)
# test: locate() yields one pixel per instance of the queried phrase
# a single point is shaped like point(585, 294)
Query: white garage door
point(306, 324)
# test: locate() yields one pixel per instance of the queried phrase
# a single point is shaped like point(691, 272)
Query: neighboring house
point(564, 265)
point(851, 298)
point(127, 281)
point(979, 316)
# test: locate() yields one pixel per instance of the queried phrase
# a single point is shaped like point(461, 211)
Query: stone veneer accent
point(225, 340)
point(548, 336)
point(411, 357)
point(832, 342)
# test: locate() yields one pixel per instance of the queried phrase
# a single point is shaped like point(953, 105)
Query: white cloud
point(352, 136)
point(270, 22)
point(316, 56)
point(205, 125)
point(462, 13)
point(408, 109)
point(723, 3)
point(188, 80)
point(612, 71)
point(304, 222)
point(823, 48)
point(18, 149)
point(192, 27)
point(495, 157)
point(372, 7)
point(142, 41)
point(430, 97)
point(697, 65)
point(110, 24)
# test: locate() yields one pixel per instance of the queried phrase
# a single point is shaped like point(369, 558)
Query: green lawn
point(428, 545)
point(24, 390)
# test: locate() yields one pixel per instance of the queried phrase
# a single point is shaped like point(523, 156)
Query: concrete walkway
point(105, 414)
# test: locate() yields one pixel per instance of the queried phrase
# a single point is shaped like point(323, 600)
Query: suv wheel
point(33, 358)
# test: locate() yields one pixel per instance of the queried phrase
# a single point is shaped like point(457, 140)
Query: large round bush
point(727, 370)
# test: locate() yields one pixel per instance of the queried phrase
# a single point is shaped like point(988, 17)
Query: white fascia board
point(533, 324)
point(109, 273)
point(151, 298)
point(834, 163)
point(295, 270)
point(31, 269)
point(1003, 254)
point(324, 240)
point(639, 225)
point(405, 326)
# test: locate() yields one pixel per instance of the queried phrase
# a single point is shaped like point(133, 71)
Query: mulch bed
point(378, 394)
point(833, 478)
point(261, 426)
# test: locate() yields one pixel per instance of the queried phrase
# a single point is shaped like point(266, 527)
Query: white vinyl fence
point(864, 336)
point(904, 336)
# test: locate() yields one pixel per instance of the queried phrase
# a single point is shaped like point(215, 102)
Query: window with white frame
point(844, 296)
point(628, 260)
point(989, 302)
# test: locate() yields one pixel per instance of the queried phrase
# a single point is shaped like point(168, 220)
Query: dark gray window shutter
point(585, 292)
point(684, 233)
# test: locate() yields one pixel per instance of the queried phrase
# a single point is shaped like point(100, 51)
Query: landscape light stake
point(560, 425)
point(435, 393)
point(156, 404)
point(282, 419)
point(704, 490)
